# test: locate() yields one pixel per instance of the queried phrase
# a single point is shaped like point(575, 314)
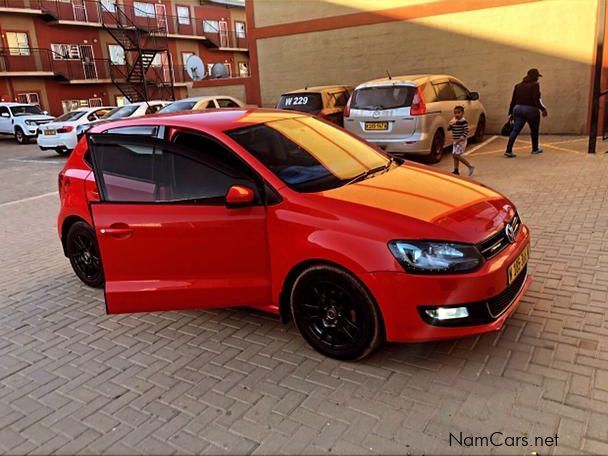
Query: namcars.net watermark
point(499, 439)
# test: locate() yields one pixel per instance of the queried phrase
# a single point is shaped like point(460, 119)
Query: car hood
point(36, 117)
point(416, 202)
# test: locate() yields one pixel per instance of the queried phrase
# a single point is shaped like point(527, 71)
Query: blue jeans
point(523, 114)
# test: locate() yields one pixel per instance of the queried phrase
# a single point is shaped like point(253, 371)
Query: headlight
point(430, 257)
point(30, 122)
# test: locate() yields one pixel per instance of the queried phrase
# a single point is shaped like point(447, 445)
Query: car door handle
point(117, 230)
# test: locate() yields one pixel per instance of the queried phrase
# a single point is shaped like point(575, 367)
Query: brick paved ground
point(73, 380)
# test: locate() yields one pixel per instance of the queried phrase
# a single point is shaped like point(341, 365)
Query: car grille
point(499, 304)
point(498, 241)
point(41, 122)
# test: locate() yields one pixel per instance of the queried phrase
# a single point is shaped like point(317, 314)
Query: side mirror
point(473, 96)
point(239, 195)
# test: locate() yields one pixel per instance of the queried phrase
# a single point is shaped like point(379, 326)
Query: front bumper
point(403, 297)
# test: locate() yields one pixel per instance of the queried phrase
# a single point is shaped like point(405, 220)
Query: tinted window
point(304, 102)
point(69, 116)
point(153, 109)
point(140, 172)
point(26, 110)
point(120, 112)
point(139, 130)
point(340, 99)
point(445, 92)
point(307, 154)
point(4, 112)
point(178, 106)
point(227, 103)
point(460, 92)
point(386, 97)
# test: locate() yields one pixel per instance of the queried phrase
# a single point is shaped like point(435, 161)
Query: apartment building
point(68, 53)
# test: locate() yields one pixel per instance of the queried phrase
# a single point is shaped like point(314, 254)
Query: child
point(460, 131)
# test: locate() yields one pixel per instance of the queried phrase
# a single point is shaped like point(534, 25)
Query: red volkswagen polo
point(286, 213)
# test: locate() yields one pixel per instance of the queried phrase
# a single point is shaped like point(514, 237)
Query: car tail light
point(347, 107)
point(418, 107)
point(66, 129)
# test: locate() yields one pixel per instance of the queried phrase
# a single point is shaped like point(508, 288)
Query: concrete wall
point(490, 49)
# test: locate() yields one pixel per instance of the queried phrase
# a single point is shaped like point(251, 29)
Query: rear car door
point(445, 103)
point(167, 240)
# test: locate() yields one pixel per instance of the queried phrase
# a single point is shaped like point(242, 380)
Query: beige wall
point(489, 49)
point(236, 91)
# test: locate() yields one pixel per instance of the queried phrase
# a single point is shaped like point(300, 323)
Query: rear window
point(386, 97)
point(303, 102)
point(178, 106)
point(70, 116)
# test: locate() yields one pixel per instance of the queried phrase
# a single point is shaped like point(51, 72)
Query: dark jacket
point(527, 93)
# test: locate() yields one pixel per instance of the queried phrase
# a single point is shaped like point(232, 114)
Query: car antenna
point(389, 75)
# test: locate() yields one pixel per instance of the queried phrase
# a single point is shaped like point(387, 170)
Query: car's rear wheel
point(480, 131)
point(335, 313)
point(436, 152)
point(83, 252)
point(20, 136)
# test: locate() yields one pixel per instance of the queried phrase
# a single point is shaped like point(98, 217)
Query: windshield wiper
point(369, 172)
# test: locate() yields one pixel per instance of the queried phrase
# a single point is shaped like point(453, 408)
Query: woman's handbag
point(507, 128)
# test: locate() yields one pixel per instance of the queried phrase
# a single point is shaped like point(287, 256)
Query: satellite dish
point(195, 68)
point(219, 70)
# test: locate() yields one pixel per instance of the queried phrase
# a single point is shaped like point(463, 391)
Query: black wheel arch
point(65, 229)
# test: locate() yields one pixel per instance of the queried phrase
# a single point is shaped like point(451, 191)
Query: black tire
point(335, 313)
point(20, 136)
point(63, 152)
point(83, 252)
point(480, 130)
point(437, 148)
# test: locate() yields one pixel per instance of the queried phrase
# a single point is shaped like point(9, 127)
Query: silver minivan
point(410, 114)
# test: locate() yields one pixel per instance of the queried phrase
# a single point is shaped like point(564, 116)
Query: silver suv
point(410, 114)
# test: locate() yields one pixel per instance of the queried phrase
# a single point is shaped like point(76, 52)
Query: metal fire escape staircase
point(142, 38)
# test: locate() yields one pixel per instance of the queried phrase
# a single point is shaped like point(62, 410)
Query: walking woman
point(526, 107)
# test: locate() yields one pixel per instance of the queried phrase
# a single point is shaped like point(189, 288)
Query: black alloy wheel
point(84, 256)
point(335, 313)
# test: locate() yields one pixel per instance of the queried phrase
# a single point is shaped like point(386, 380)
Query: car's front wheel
point(20, 136)
point(335, 313)
point(83, 252)
point(436, 152)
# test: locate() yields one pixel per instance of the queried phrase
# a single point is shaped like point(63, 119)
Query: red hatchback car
point(287, 213)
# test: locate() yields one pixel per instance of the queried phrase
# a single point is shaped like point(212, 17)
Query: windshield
point(178, 106)
point(26, 110)
point(304, 102)
point(308, 154)
point(120, 112)
point(70, 116)
point(385, 97)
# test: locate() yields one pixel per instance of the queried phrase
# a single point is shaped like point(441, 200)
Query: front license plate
point(49, 132)
point(518, 265)
point(376, 126)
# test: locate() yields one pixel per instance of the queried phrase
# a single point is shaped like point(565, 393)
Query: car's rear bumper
point(65, 141)
point(418, 143)
point(403, 297)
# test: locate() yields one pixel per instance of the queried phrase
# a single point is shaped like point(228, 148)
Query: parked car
point(410, 114)
point(22, 120)
point(203, 102)
point(327, 102)
point(283, 212)
point(60, 135)
point(140, 108)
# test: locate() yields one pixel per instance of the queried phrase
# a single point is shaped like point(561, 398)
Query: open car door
point(166, 237)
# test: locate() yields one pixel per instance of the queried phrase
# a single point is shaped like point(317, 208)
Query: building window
point(243, 69)
point(211, 26)
point(186, 56)
point(70, 105)
point(109, 5)
point(117, 54)
point(28, 98)
point(95, 102)
point(121, 100)
point(144, 9)
point(240, 29)
point(157, 60)
point(183, 15)
point(65, 51)
point(18, 43)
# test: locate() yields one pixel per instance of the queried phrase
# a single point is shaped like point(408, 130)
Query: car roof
point(12, 103)
point(414, 79)
point(214, 120)
point(319, 89)
point(199, 98)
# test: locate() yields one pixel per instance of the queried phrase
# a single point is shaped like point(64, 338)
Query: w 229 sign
point(296, 101)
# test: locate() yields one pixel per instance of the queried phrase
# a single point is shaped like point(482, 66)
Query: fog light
point(447, 313)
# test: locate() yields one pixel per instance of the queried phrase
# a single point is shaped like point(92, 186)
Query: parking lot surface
point(74, 380)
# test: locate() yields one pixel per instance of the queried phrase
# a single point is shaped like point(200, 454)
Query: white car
point(203, 102)
point(22, 120)
point(61, 134)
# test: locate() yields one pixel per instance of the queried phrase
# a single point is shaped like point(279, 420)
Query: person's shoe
point(456, 172)
point(510, 155)
point(537, 151)
point(471, 171)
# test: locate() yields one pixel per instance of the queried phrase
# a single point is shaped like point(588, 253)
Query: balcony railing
point(92, 11)
point(180, 75)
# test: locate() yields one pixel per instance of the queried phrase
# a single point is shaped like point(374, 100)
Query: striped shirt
point(460, 128)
